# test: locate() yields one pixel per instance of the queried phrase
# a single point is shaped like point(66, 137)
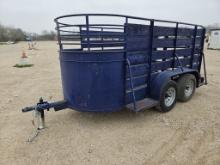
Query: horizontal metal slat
point(137, 29)
point(161, 65)
point(143, 104)
point(162, 54)
point(161, 43)
point(138, 70)
point(170, 31)
point(136, 88)
point(170, 42)
point(137, 81)
point(104, 44)
point(136, 43)
point(184, 62)
point(184, 42)
point(101, 33)
point(139, 95)
point(163, 31)
point(197, 58)
point(185, 32)
point(137, 57)
point(70, 38)
point(200, 32)
point(167, 54)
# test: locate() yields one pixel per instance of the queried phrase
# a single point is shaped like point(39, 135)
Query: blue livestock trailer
point(111, 61)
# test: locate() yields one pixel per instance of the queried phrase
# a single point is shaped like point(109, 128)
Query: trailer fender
point(159, 80)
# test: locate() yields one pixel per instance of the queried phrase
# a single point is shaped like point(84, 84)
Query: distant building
point(214, 39)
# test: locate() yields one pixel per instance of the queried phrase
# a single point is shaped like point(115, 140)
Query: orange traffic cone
point(23, 55)
point(23, 61)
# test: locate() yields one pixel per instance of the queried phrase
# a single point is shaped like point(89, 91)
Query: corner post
point(150, 54)
point(87, 32)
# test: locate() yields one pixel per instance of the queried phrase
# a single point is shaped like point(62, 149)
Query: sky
point(38, 15)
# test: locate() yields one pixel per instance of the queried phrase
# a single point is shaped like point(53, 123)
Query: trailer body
point(133, 62)
point(130, 62)
point(106, 67)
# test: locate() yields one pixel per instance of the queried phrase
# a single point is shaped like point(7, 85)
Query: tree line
point(11, 34)
point(16, 34)
point(8, 33)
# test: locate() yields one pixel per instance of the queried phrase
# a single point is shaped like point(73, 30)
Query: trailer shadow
point(124, 115)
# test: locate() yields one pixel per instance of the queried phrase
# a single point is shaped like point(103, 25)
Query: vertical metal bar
point(179, 62)
point(201, 49)
point(175, 41)
point(193, 46)
point(125, 36)
point(127, 65)
point(102, 37)
point(58, 36)
point(204, 66)
point(202, 57)
point(150, 54)
point(87, 32)
point(42, 120)
point(164, 48)
point(132, 85)
point(81, 39)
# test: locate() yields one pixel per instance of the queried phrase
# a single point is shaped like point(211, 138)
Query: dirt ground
point(189, 134)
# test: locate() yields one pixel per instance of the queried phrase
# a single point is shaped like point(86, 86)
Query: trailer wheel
point(168, 97)
point(186, 86)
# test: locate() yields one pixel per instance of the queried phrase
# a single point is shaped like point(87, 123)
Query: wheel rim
point(189, 88)
point(170, 96)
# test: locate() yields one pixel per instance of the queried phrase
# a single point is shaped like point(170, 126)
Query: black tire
point(186, 83)
point(163, 106)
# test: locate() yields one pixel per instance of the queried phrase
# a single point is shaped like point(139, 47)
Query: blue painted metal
point(202, 54)
point(175, 41)
point(150, 54)
point(179, 62)
point(105, 67)
point(44, 105)
point(160, 79)
point(120, 63)
point(93, 81)
point(131, 84)
point(193, 46)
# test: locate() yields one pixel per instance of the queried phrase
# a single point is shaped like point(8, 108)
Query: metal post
point(175, 41)
point(203, 57)
point(87, 32)
point(81, 37)
point(201, 49)
point(125, 36)
point(102, 36)
point(125, 54)
point(150, 54)
point(42, 120)
point(58, 36)
point(132, 85)
point(193, 46)
point(204, 67)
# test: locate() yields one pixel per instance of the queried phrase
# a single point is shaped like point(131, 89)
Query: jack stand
point(39, 124)
point(38, 114)
point(38, 121)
